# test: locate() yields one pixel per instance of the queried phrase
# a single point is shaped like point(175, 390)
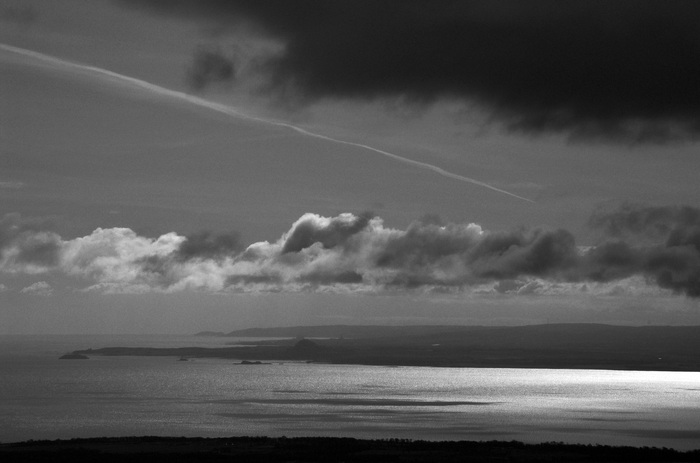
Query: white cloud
point(40, 288)
point(113, 255)
point(346, 253)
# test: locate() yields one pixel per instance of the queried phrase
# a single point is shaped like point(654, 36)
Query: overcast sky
point(176, 166)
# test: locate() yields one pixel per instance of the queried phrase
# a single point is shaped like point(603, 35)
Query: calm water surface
point(44, 398)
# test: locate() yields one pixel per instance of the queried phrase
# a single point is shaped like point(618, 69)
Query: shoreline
point(351, 353)
point(550, 346)
point(326, 449)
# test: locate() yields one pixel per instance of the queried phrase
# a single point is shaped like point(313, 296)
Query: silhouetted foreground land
point(591, 346)
point(323, 449)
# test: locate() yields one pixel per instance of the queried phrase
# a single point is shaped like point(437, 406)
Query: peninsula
point(585, 346)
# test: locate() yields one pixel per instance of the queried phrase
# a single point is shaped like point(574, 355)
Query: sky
point(177, 166)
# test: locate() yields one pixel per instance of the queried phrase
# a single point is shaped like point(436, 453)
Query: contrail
point(230, 111)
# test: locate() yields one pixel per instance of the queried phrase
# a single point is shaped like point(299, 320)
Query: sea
point(42, 397)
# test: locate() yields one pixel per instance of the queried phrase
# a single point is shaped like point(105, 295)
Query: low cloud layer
point(358, 253)
point(624, 70)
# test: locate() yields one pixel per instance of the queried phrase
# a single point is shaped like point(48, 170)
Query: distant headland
point(582, 346)
point(73, 356)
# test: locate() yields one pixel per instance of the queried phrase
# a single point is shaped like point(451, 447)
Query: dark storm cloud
point(456, 256)
point(612, 261)
point(425, 243)
point(210, 66)
point(536, 253)
point(673, 264)
point(625, 69)
point(674, 267)
point(645, 221)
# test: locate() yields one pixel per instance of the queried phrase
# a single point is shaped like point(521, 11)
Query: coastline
point(400, 357)
point(563, 346)
point(326, 449)
point(193, 398)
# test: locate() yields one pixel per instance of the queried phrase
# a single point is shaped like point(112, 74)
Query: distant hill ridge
point(557, 335)
point(591, 346)
point(347, 331)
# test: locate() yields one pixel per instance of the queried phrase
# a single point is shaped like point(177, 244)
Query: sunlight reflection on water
point(43, 398)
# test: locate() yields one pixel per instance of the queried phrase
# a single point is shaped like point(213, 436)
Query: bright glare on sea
point(42, 397)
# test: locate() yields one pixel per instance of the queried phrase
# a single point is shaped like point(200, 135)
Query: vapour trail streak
point(230, 111)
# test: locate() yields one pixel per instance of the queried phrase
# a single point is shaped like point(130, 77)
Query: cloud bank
point(358, 253)
point(624, 70)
